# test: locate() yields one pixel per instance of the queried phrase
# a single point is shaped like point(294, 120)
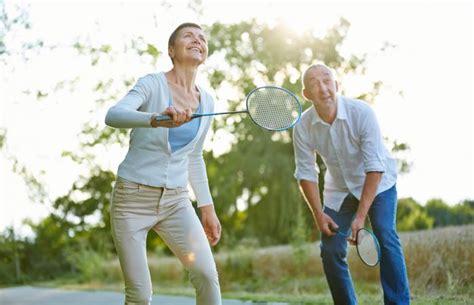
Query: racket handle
point(334, 230)
point(339, 232)
point(164, 117)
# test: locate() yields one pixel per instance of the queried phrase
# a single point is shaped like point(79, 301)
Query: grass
point(440, 265)
point(364, 296)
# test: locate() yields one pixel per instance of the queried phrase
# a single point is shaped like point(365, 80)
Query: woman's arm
point(125, 113)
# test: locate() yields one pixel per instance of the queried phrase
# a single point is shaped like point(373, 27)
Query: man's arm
point(369, 190)
point(310, 192)
point(372, 152)
point(306, 173)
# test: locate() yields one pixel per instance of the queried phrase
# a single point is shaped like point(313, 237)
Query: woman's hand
point(211, 224)
point(178, 117)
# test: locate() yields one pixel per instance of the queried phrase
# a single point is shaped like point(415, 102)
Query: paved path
point(26, 295)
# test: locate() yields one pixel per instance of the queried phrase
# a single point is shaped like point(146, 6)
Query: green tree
point(253, 183)
point(445, 215)
point(88, 198)
point(439, 211)
point(464, 212)
point(411, 216)
point(11, 257)
point(14, 21)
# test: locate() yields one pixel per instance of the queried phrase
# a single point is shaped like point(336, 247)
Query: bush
point(87, 263)
point(412, 216)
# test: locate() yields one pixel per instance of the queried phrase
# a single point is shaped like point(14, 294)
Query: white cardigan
point(150, 160)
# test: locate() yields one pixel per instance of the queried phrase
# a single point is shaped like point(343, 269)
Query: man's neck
point(327, 114)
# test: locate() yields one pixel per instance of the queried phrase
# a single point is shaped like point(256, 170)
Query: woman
point(151, 188)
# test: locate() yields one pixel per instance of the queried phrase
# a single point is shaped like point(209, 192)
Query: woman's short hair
point(175, 33)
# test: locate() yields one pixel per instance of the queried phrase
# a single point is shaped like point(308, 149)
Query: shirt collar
point(341, 113)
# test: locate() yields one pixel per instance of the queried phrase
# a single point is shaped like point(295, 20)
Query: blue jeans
point(393, 275)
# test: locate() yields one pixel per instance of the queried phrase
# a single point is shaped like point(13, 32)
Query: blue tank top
point(180, 136)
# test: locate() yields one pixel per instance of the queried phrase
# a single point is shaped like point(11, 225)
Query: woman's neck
point(183, 77)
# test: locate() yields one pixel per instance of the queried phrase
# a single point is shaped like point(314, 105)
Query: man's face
point(320, 87)
point(190, 44)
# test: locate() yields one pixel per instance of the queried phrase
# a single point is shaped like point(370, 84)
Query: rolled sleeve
point(374, 166)
point(305, 157)
point(372, 143)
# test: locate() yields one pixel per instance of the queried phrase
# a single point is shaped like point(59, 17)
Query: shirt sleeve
point(126, 113)
point(372, 146)
point(197, 169)
point(305, 156)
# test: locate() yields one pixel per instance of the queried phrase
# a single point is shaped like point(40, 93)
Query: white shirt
point(350, 147)
point(150, 160)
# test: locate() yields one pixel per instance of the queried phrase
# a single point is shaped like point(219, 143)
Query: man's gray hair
point(315, 66)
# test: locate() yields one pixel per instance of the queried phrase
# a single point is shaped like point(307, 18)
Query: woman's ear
point(171, 52)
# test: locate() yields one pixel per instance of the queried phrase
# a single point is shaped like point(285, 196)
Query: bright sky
point(432, 63)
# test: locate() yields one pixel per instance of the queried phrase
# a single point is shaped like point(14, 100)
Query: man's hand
point(211, 224)
point(357, 224)
point(326, 224)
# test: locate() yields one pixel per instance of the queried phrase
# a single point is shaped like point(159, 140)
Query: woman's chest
point(184, 100)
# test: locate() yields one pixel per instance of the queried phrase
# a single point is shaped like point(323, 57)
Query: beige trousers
point(137, 209)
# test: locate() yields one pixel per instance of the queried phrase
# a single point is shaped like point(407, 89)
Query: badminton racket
point(367, 246)
point(270, 107)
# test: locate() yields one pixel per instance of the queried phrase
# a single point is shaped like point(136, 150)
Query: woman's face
point(190, 46)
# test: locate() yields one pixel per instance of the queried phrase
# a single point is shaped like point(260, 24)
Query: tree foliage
point(445, 215)
point(14, 21)
point(411, 216)
point(251, 181)
point(253, 184)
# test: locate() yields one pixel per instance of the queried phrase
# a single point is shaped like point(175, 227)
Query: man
point(359, 182)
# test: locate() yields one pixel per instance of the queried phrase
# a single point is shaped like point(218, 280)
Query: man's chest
point(334, 141)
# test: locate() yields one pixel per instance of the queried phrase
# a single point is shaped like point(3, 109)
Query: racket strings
point(367, 247)
point(273, 108)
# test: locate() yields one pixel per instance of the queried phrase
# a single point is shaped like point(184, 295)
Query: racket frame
point(372, 235)
point(161, 118)
point(300, 108)
point(377, 246)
